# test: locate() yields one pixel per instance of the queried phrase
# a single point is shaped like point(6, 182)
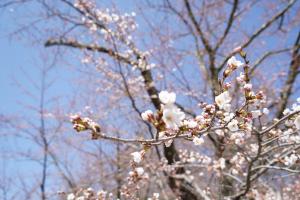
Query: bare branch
point(229, 24)
point(260, 30)
point(292, 76)
point(197, 27)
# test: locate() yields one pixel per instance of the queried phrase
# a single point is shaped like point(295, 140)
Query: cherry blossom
point(140, 171)
point(297, 122)
point(241, 79)
point(290, 160)
point(223, 100)
point(172, 116)
point(220, 164)
point(234, 63)
point(248, 86)
point(71, 196)
point(147, 115)
point(266, 111)
point(190, 123)
point(233, 125)
point(286, 111)
point(167, 97)
point(137, 157)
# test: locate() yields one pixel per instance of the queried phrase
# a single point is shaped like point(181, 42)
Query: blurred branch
point(286, 91)
point(12, 2)
point(229, 24)
point(75, 44)
point(265, 56)
point(198, 27)
point(260, 30)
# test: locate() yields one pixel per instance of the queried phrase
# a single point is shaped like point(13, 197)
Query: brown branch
point(265, 56)
point(249, 170)
point(90, 15)
point(197, 27)
point(263, 170)
point(259, 31)
point(279, 122)
point(277, 168)
point(75, 44)
point(286, 91)
point(211, 52)
point(229, 24)
point(13, 2)
point(196, 42)
point(268, 24)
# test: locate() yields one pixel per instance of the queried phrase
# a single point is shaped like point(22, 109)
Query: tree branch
point(286, 91)
point(260, 30)
point(229, 24)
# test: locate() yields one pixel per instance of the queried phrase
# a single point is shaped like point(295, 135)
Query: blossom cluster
point(114, 29)
point(83, 124)
point(107, 22)
point(89, 194)
point(234, 130)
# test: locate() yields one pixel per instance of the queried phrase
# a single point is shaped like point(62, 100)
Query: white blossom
point(248, 86)
point(289, 123)
point(137, 157)
point(139, 171)
point(296, 107)
point(233, 62)
point(71, 196)
point(290, 160)
point(198, 141)
point(131, 173)
point(147, 115)
point(286, 111)
point(222, 163)
point(237, 137)
point(254, 148)
point(228, 116)
point(200, 119)
point(219, 164)
point(297, 122)
point(234, 171)
point(190, 123)
point(241, 79)
point(223, 100)
point(167, 97)
point(233, 125)
point(266, 111)
point(172, 116)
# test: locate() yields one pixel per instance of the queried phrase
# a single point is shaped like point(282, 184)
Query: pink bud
point(237, 49)
point(248, 86)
